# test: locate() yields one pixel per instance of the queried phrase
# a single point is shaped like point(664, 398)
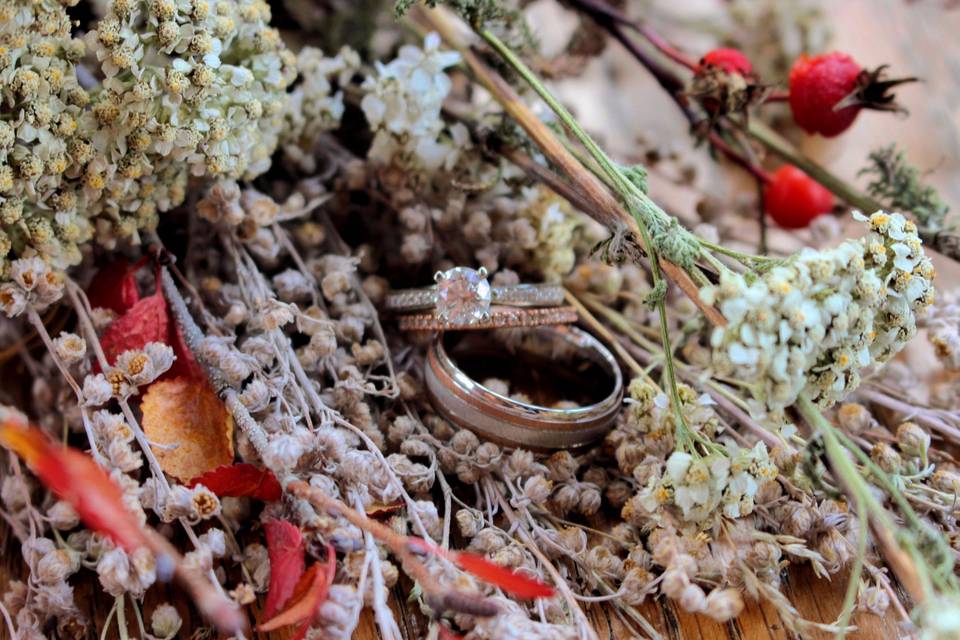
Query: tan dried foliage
point(187, 413)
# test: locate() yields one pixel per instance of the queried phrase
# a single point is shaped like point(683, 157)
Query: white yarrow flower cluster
point(190, 87)
point(403, 103)
point(314, 107)
point(816, 321)
point(701, 487)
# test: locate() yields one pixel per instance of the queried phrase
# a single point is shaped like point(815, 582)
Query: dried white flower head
point(314, 107)
point(403, 103)
point(186, 90)
point(814, 322)
point(70, 347)
point(122, 573)
point(165, 621)
point(706, 487)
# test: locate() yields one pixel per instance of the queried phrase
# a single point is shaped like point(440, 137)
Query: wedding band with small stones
point(464, 298)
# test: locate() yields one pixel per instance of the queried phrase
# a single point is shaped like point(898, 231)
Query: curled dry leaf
point(76, 479)
point(241, 480)
point(511, 582)
point(377, 510)
point(308, 596)
point(189, 422)
point(516, 584)
point(286, 549)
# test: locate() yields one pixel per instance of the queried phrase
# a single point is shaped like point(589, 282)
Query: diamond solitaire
point(463, 298)
point(463, 295)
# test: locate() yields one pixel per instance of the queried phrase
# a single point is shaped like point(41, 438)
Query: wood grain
point(817, 600)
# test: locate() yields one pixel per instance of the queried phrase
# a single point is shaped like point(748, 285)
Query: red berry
point(729, 60)
point(793, 199)
point(816, 85)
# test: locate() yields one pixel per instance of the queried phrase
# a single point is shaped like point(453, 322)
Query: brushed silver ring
point(469, 404)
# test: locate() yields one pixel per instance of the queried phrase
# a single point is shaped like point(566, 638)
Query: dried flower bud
point(464, 442)
point(562, 465)
point(469, 522)
point(537, 489)
point(566, 498)
point(96, 390)
point(600, 560)
point(590, 500)
point(886, 457)
point(292, 286)
point(692, 599)
point(215, 541)
point(70, 347)
point(335, 283)
point(63, 516)
point(724, 605)
point(946, 480)
point(835, 549)
point(673, 582)
point(243, 594)
point(487, 540)
point(57, 566)
point(855, 418)
point(913, 440)
point(875, 600)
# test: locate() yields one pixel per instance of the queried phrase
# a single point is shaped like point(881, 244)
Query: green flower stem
point(783, 148)
point(746, 258)
point(943, 573)
point(894, 541)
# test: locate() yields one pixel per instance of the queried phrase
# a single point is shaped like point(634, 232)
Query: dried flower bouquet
point(198, 226)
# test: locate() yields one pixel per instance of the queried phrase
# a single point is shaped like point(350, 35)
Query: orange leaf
point(187, 418)
point(514, 583)
point(241, 480)
point(76, 479)
point(286, 548)
point(308, 596)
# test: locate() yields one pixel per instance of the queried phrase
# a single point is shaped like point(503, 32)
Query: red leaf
point(444, 633)
point(240, 480)
point(286, 548)
point(308, 596)
point(146, 321)
point(510, 581)
point(114, 287)
point(185, 365)
point(514, 583)
point(76, 479)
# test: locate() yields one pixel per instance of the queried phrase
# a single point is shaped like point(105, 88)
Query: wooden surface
point(916, 38)
point(817, 600)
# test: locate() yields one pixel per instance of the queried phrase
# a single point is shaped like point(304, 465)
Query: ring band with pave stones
point(496, 318)
point(463, 297)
